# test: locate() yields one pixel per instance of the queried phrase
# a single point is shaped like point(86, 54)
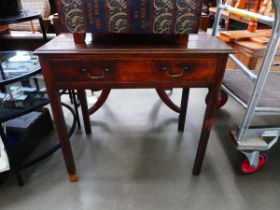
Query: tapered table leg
point(84, 107)
point(59, 121)
point(206, 128)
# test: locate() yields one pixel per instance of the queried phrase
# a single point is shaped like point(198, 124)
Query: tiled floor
point(136, 160)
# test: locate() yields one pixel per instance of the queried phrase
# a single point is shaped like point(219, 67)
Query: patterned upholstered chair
point(168, 17)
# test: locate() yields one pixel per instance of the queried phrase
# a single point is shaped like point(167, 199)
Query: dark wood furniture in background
point(251, 54)
point(258, 6)
point(129, 64)
point(204, 22)
point(25, 15)
point(22, 41)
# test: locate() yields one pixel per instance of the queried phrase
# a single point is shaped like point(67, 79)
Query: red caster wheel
point(221, 101)
point(245, 168)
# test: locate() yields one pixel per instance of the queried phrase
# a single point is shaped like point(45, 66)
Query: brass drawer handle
point(102, 76)
point(183, 69)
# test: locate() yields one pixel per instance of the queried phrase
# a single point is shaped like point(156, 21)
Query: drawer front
point(134, 70)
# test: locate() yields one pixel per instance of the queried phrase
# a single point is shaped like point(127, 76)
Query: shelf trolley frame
point(252, 140)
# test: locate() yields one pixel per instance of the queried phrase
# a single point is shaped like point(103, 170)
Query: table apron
point(134, 73)
point(81, 86)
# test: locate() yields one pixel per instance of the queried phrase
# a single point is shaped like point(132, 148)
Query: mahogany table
point(124, 63)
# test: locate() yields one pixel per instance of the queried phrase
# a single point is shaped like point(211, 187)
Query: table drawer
point(134, 70)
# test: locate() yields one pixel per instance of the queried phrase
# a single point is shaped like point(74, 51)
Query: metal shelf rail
point(252, 140)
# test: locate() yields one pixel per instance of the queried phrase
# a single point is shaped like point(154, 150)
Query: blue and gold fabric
point(131, 16)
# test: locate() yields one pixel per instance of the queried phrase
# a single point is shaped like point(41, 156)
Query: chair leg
point(71, 96)
point(76, 105)
point(183, 109)
point(84, 107)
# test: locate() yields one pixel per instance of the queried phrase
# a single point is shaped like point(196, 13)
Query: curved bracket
point(166, 99)
point(100, 101)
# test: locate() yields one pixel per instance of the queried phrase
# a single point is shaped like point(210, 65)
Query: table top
point(198, 43)
point(24, 15)
point(17, 64)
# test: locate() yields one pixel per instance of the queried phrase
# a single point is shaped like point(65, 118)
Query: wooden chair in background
point(250, 44)
point(257, 6)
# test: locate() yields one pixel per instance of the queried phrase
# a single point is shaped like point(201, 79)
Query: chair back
point(130, 16)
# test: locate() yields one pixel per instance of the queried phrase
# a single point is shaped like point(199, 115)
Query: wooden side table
point(130, 64)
